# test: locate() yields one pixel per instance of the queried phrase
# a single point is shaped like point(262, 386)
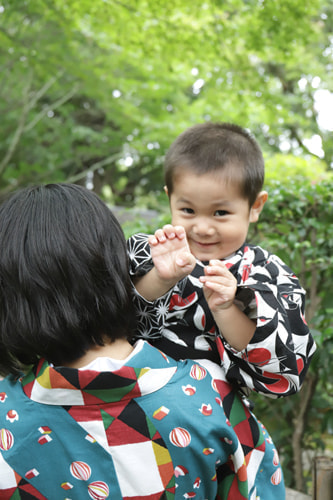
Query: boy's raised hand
point(170, 253)
point(219, 286)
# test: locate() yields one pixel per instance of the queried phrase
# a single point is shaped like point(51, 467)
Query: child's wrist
point(164, 282)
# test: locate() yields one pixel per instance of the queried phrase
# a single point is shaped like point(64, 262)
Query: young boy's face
point(215, 216)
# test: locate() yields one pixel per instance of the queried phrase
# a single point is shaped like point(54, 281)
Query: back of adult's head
point(64, 281)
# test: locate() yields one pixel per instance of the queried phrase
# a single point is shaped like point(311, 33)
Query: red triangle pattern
point(119, 433)
point(58, 380)
point(243, 431)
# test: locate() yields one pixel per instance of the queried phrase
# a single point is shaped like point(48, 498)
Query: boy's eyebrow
point(183, 200)
point(215, 203)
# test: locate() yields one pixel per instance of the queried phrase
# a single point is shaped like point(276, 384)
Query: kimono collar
point(146, 372)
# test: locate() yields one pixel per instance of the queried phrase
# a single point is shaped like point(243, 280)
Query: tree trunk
point(299, 423)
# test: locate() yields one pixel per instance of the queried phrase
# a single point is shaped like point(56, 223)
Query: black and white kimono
point(180, 322)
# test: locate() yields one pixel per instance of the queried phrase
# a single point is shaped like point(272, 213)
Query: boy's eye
point(221, 213)
point(187, 210)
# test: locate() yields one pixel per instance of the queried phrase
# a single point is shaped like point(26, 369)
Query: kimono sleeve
point(277, 358)
point(150, 315)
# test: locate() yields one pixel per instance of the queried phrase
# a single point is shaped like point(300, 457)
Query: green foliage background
point(104, 87)
point(95, 92)
point(297, 225)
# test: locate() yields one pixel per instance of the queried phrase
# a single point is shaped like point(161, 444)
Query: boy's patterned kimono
point(181, 325)
point(153, 429)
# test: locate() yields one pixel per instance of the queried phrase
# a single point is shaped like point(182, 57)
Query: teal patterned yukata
point(154, 429)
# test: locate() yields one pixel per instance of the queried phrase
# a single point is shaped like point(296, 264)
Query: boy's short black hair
point(218, 147)
point(64, 279)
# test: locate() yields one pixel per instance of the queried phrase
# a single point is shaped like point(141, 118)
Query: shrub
point(297, 225)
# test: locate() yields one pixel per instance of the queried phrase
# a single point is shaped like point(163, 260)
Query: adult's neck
point(119, 349)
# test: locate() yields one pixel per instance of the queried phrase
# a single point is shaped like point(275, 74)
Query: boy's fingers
point(218, 289)
point(174, 231)
point(180, 232)
point(218, 268)
point(215, 270)
point(223, 294)
point(152, 240)
point(185, 259)
point(169, 231)
point(218, 264)
point(160, 235)
point(218, 280)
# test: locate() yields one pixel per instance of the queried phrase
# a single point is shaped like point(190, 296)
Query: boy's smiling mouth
point(205, 244)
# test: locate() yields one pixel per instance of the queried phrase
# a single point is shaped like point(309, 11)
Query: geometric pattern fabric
point(181, 324)
point(163, 431)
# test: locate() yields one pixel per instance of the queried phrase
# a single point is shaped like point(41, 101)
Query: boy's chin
point(207, 256)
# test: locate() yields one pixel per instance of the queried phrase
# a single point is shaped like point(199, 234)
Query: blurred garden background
point(94, 92)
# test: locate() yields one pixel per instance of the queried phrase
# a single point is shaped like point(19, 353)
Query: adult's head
point(64, 281)
point(210, 148)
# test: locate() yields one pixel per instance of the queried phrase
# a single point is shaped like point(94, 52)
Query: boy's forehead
point(214, 187)
point(230, 175)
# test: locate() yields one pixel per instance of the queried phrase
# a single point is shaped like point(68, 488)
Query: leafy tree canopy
point(102, 88)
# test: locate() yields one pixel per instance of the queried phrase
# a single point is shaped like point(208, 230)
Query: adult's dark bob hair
point(64, 280)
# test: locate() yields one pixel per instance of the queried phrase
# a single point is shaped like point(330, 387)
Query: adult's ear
point(258, 205)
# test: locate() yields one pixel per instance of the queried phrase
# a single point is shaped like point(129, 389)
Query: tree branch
point(94, 167)
point(27, 106)
point(294, 135)
point(44, 89)
point(306, 395)
point(314, 299)
point(20, 128)
point(53, 106)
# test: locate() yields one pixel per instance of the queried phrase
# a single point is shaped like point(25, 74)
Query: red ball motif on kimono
point(180, 437)
point(12, 415)
point(180, 470)
point(3, 397)
point(6, 439)
point(80, 470)
point(98, 490)
point(206, 409)
point(189, 390)
point(276, 477)
point(198, 372)
point(276, 459)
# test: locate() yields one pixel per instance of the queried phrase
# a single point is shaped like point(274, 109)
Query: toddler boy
point(201, 290)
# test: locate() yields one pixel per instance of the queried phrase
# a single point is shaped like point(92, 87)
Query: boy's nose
point(203, 227)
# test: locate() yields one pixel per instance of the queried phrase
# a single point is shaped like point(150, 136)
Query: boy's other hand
point(219, 286)
point(170, 253)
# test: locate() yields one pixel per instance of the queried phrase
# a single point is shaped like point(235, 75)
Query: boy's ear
point(258, 205)
point(166, 190)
